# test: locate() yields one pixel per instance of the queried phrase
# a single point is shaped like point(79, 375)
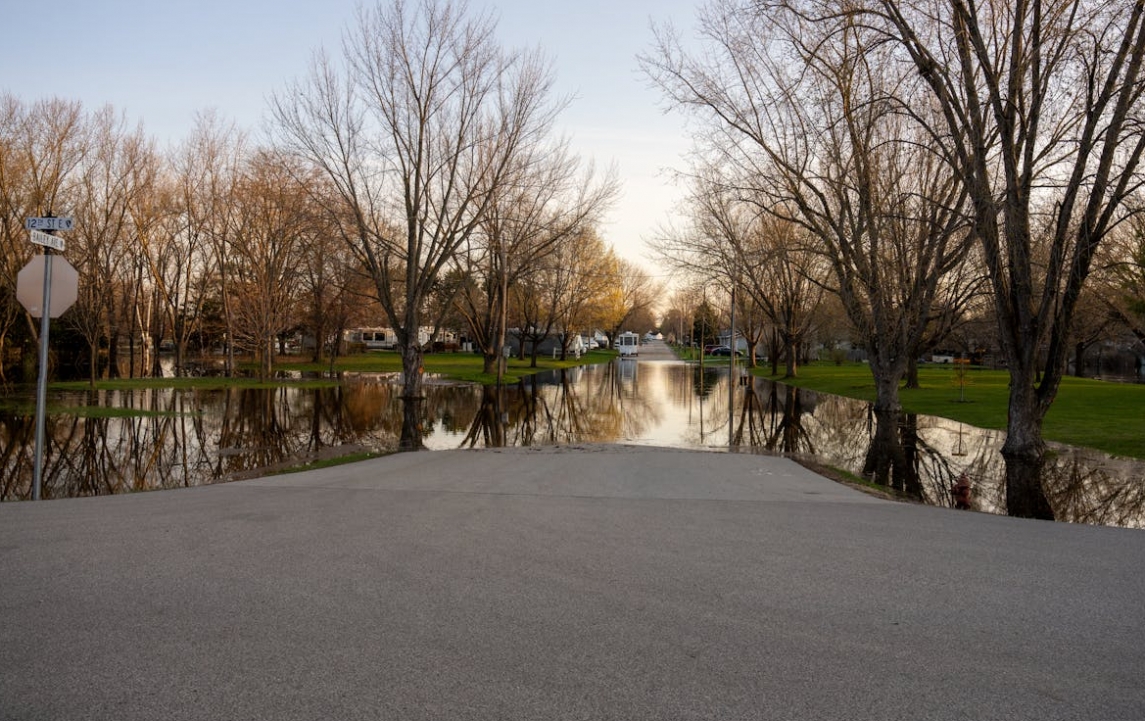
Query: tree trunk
point(93, 355)
point(886, 389)
point(884, 453)
point(411, 437)
point(228, 322)
point(412, 370)
point(1079, 359)
point(908, 437)
point(791, 355)
point(156, 363)
point(1024, 452)
point(912, 372)
point(792, 419)
point(113, 352)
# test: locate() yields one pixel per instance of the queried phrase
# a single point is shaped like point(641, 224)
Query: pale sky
point(161, 61)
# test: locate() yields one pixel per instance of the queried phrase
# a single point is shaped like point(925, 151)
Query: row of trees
point(215, 240)
point(418, 181)
point(439, 149)
point(913, 159)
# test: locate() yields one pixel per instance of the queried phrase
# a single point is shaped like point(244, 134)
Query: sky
point(162, 62)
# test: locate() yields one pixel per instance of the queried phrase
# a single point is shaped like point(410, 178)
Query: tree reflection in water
point(183, 438)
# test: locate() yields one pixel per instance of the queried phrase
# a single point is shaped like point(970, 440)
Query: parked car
point(724, 350)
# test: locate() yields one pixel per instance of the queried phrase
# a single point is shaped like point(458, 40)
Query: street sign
point(49, 223)
point(64, 288)
point(51, 241)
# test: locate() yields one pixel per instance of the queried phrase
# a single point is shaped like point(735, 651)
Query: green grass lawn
point(1091, 413)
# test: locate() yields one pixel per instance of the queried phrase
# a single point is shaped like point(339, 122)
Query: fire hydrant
point(961, 492)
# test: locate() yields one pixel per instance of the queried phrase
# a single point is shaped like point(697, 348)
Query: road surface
point(560, 583)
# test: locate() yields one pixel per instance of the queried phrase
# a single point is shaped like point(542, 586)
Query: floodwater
point(192, 437)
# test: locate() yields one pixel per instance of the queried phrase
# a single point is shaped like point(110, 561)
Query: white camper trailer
point(628, 344)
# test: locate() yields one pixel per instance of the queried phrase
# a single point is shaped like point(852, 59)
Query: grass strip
point(1091, 413)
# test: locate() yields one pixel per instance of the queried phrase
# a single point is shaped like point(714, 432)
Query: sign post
point(41, 234)
point(42, 382)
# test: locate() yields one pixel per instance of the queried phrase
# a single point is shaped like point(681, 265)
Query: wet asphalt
point(596, 582)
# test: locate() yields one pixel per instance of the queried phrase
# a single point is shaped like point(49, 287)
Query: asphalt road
point(656, 350)
point(591, 583)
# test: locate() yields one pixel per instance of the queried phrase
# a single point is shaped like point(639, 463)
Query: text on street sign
point(50, 241)
point(49, 223)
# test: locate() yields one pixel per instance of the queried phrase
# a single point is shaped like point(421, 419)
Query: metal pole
point(42, 383)
point(732, 372)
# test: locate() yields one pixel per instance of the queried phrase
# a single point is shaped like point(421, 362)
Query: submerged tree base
point(1025, 496)
point(887, 462)
point(412, 436)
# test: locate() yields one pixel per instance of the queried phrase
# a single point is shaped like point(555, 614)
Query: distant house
point(548, 346)
point(741, 342)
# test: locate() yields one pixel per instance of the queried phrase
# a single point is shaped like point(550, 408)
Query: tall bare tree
point(114, 174)
point(545, 204)
point(805, 117)
point(41, 145)
point(272, 225)
point(417, 130)
point(1043, 124)
point(207, 167)
point(734, 235)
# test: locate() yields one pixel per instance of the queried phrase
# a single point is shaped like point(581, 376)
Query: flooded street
point(192, 437)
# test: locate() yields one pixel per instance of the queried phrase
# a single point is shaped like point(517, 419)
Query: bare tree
point(805, 118)
point(546, 203)
point(1122, 277)
point(272, 223)
point(110, 180)
point(1042, 123)
point(207, 167)
point(335, 290)
point(763, 254)
point(175, 237)
point(417, 131)
point(41, 145)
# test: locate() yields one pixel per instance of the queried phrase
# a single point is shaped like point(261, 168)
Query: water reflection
point(190, 437)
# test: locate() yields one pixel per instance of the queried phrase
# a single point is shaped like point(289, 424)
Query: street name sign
point(49, 223)
point(39, 237)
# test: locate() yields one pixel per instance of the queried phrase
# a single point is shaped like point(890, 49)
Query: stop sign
point(30, 286)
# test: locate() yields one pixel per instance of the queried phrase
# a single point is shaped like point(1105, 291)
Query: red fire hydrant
point(961, 492)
